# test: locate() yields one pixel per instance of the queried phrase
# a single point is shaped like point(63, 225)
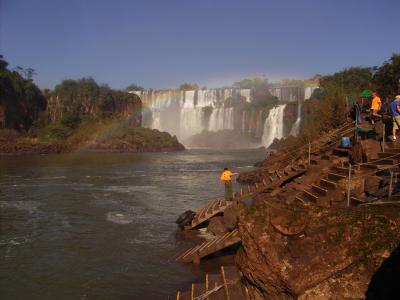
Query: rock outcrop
point(289, 251)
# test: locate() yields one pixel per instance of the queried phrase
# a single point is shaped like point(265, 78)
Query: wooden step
point(388, 161)
point(319, 190)
point(310, 196)
point(355, 201)
point(384, 154)
point(335, 176)
point(327, 184)
point(211, 209)
point(300, 200)
point(369, 166)
point(343, 170)
point(341, 151)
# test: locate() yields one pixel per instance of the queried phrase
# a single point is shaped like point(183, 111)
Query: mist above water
point(198, 117)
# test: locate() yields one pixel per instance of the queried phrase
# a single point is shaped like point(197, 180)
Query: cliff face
point(292, 252)
point(300, 240)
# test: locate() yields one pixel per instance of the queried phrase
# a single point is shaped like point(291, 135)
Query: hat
point(397, 97)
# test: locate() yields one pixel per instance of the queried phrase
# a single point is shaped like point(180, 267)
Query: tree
point(255, 83)
point(134, 87)
point(188, 87)
point(387, 77)
point(348, 83)
point(20, 98)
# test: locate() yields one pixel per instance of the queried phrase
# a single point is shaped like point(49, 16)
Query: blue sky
point(160, 44)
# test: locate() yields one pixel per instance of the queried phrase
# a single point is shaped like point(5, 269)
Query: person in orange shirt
point(226, 178)
point(376, 104)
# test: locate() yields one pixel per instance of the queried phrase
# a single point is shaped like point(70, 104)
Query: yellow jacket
point(376, 103)
point(226, 175)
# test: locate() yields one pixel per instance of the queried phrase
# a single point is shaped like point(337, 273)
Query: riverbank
point(128, 140)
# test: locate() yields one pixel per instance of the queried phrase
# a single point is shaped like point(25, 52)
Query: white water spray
point(273, 126)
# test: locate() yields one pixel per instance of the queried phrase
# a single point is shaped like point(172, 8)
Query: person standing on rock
point(226, 178)
point(395, 110)
point(376, 104)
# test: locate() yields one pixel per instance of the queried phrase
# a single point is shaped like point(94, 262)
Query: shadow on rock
point(384, 283)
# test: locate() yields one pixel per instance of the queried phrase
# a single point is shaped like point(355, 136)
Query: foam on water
point(29, 206)
point(119, 217)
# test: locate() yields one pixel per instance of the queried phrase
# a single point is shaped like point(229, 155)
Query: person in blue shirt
point(395, 110)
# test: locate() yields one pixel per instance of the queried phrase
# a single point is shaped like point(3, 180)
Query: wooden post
point(383, 138)
point(207, 285)
point(192, 294)
point(309, 153)
point(241, 191)
point(178, 295)
point(390, 185)
point(348, 187)
point(225, 284)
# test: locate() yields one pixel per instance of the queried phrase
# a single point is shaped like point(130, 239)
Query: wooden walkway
point(325, 186)
point(217, 206)
point(196, 253)
point(223, 286)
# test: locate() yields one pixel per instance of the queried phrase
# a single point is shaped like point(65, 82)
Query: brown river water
point(101, 226)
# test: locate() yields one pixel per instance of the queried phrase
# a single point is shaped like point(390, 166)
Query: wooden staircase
point(196, 253)
point(211, 209)
point(326, 185)
point(223, 286)
point(217, 206)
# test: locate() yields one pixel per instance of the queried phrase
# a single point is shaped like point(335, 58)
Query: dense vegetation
point(330, 104)
point(21, 101)
point(77, 113)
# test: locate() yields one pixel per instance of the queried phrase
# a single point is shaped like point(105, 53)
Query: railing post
point(309, 153)
point(348, 187)
point(390, 184)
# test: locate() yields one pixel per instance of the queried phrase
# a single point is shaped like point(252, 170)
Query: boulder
point(356, 185)
point(372, 185)
point(217, 226)
point(370, 149)
point(356, 154)
point(231, 217)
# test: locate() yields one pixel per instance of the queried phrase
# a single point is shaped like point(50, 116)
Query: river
point(101, 226)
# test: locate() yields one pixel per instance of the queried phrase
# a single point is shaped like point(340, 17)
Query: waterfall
point(186, 113)
point(273, 126)
point(296, 126)
point(221, 119)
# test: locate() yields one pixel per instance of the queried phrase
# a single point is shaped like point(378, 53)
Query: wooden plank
point(206, 287)
point(310, 196)
point(327, 183)
point(319, 190)
point(300, 200)
point(335, 176)
point(225, 284)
